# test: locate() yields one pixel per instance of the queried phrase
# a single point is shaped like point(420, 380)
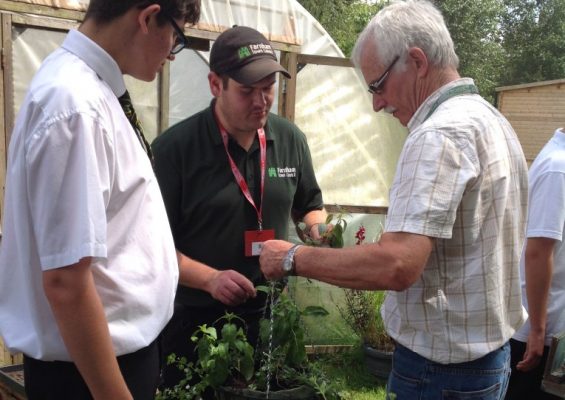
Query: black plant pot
point(378, 363)
point(298, 393)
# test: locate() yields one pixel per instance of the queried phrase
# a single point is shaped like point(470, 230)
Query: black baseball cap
point(245, 55)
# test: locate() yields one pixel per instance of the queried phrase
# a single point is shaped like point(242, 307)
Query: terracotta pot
point(378, 363)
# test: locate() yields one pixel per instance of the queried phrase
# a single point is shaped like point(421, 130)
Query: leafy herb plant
point(226, 359)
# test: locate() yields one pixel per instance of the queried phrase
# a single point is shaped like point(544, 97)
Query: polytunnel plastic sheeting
point(31, 45)
point(272, 17)
point(354, 149)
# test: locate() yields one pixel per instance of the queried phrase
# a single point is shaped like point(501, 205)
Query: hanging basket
point(298, 393)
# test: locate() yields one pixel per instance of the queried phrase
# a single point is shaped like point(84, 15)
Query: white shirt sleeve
point(68, 183)
point(546, 215)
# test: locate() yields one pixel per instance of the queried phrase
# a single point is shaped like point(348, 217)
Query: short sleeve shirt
point(461, 179)
point(80, 185)
point(546, 219)
point(207, 210)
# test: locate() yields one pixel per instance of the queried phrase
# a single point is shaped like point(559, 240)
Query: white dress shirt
point(80, 185)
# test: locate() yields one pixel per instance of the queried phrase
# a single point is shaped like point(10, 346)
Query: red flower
point(360, 235)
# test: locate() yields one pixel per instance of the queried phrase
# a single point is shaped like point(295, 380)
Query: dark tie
point(127, 106)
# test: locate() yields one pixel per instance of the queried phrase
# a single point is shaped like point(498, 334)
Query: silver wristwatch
point(288, 263)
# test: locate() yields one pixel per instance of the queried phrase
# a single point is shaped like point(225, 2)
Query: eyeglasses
point(375, 87)
point(180, 41)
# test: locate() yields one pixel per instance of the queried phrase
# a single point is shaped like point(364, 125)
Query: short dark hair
point(225, 81)
point(107, 10)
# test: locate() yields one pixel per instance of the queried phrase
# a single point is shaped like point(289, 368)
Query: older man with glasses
point(88, 269)
point(451, 245)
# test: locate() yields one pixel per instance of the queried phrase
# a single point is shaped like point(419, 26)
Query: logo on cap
point(255, 49)
point(244, 52)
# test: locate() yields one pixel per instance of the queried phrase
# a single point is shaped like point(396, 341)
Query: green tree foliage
point(343, 19)
point(534, 41)
point(474, 27)
point(499, 42)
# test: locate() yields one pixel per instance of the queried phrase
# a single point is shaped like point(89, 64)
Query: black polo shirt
point(207, 211)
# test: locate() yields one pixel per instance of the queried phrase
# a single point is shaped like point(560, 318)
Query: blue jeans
point(414, 377)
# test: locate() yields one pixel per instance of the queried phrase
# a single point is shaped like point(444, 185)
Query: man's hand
point(228, 287)
point(271, 259)
point(320, 232)
point(533, 353)
point(231, 288)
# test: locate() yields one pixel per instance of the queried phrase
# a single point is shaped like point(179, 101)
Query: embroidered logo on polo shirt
point(286, 172)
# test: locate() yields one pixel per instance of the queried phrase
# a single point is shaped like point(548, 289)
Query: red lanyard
point(237, 175)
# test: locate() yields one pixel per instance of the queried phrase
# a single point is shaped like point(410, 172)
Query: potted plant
point(361, 312)
point(233, 369)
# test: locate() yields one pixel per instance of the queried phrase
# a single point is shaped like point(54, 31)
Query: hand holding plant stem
point(329, 234)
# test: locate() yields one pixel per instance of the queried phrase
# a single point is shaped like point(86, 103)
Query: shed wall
point(534, 112)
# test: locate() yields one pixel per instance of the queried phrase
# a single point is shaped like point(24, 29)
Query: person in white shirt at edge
point(450, 251)
point(88, 269)
point(542, 272)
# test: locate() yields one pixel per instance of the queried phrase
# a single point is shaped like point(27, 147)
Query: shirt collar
point(419, 116)
point(96, 58)
point(559, 136)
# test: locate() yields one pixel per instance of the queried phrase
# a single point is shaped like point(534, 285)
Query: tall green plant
point(361, 310)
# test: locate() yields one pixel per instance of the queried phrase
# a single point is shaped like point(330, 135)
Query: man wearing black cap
point(231, 176)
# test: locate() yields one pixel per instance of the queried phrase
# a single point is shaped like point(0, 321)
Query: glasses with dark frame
point(375, 87)
point(180, 40)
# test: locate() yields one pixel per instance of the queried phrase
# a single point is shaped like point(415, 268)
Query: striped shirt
point(461, 179)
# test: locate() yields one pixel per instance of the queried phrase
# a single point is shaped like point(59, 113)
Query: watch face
point(287, 264)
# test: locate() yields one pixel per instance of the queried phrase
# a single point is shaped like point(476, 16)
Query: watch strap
point(289, 259)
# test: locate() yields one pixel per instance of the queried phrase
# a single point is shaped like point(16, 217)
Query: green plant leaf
point(229, 332)
point(315, 311)
point(247, 365)
point(210, 331)
point(263, 288)
point(296, 352)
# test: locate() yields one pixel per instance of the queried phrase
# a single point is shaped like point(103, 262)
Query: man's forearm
point(82, 322)
point(194, 274)
point(394, 263)
point(539, 269)
point(314, 217)
point(312, 220)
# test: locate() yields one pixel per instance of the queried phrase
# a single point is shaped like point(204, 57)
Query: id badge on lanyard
point(253, 239)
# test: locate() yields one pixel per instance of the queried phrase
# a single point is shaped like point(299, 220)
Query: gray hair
point(405, 24)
